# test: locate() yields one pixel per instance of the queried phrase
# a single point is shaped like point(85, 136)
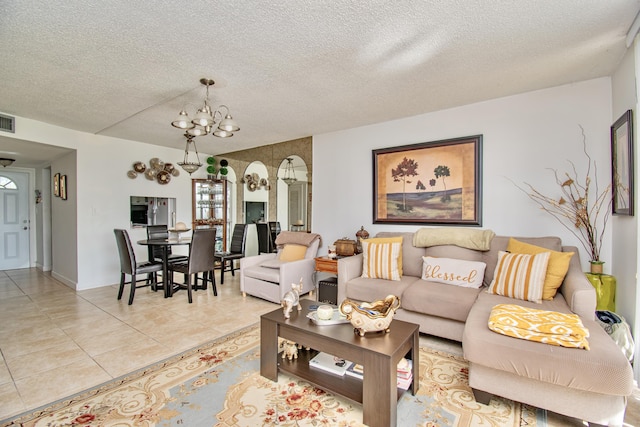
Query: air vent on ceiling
point(7, 123)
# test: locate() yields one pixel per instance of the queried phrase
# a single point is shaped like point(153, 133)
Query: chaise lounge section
point(591, 385)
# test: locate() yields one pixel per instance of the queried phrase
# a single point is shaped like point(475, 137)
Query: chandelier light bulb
point(182, 121)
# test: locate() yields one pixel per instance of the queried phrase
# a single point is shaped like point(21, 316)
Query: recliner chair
point(266, 276)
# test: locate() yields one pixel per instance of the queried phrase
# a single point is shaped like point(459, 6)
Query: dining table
point(167, 284)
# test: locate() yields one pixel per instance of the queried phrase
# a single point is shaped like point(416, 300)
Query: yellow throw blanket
point(549, 327)
point(464, 237)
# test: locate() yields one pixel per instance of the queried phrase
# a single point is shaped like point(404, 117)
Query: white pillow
point(468, 274)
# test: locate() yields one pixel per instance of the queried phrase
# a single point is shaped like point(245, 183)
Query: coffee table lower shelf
point(346, 386)
point(378, 353)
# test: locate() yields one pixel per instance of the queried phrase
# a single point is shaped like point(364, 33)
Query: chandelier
point(289, 173)
point(6, 161)
point(187, 165)
point(205, 118)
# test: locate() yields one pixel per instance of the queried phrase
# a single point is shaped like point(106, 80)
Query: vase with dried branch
point(582, 207)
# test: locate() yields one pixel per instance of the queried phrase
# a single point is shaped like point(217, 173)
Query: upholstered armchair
point(269, 276)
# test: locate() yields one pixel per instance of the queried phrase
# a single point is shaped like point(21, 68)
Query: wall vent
point(7, 123)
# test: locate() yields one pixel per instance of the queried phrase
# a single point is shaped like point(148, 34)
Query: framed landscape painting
point(431, 183)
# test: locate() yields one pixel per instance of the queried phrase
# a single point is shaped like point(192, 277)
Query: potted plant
point(582, 208)
point(223, 168)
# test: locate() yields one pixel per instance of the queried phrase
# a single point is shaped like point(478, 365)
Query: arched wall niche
point(255, 182)
point(292, 197)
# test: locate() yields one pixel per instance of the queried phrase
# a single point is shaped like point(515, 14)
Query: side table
point(327, 288)
point(327, 265)
point(605, 285)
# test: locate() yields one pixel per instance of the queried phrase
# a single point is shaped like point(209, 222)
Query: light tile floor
point(55, 342)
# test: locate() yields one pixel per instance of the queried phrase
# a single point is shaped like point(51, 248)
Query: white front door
point(14, 220)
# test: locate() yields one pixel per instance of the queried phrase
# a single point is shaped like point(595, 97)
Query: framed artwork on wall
point(622, 164)
point(430, 183)
point(56, 185)
point(63, 187)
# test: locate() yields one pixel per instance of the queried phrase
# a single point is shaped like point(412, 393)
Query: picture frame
point(56, 185)
point(63, 187)
point(622, 167)
point(430, 183)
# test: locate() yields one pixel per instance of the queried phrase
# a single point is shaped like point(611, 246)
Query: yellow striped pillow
point(520, 276)
point(380, 260)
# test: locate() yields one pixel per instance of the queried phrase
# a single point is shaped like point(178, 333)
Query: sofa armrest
point(578, 292)
point(348, 268)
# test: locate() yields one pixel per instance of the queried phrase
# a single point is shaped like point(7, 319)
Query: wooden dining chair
point(200, 260)
point(236, 251)
point(129, 266)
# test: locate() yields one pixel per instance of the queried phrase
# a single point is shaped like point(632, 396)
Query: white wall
point(625, 228)
point(43, 220)
point(523, 135)
point(64, 216)
point(83, 245)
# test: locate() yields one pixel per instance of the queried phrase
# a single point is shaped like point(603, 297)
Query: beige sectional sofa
point(590, 385)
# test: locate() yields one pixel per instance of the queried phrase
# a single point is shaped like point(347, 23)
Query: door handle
point(24, 228)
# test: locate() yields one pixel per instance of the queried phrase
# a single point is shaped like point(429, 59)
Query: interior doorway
point(15, 223)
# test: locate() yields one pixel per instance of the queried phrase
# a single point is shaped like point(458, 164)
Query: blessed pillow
point(292, 252)
point(556, 270)
point(380, 260)
point(520, 276)
point(468, 274)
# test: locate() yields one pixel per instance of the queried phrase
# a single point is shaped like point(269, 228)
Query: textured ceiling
point(290, 68)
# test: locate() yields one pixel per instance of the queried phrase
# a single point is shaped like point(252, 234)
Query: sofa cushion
point(272, 263)
point(520, 276)
point(363, 289)
point(382, 258)
point(609, 370)
point(411, 256)
point(438, 299)
point(500, 243)
point(450, 271)
point(556, 270)
point(263, 273)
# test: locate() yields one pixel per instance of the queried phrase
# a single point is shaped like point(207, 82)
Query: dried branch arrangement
point(582, 207)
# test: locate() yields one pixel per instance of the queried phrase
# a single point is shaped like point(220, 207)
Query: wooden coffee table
point(379, 353)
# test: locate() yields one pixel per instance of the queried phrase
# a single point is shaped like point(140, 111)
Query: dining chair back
point(265, 245)
point(128, 265)
point(236, 251)
point(200, 260)
point(161, 231)
point(274, 229)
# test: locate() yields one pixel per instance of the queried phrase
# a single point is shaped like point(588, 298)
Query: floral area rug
point(219, 384)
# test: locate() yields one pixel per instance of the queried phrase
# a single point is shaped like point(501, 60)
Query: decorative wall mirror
point(292, 196)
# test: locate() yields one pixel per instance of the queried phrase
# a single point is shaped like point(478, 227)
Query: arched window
point(7, 183)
